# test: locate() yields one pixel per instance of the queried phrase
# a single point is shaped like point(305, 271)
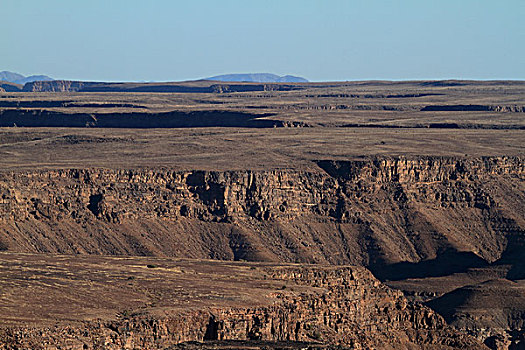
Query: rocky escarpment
point(493, 311)
point(473, 108)
point(204, 87)
point(401, 217)
point(6, 86)
point(374, 212)
point(173, 302)
point(175, 119)
point(55, 86)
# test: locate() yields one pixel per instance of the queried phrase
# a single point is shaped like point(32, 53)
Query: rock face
point(400, 217)
point(175, 119)
point(169, 302)
point(183, 87)
point(375, 212)
point(493, 311)
point(54, 86)
point(478, 108)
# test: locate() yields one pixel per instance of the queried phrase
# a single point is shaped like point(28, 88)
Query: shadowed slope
point(35, 118)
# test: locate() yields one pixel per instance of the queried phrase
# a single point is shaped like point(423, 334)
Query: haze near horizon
point(318, 40)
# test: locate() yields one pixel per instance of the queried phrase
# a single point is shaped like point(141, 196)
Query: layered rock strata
point(204, 87)
point(133, 303)
point(373, 212)
point(401, 217)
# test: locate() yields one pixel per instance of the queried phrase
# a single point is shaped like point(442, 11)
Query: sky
point(321, 40)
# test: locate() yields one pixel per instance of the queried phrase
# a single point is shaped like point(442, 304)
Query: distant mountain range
point(20, 79)
point(259, 78)
point(249, 77)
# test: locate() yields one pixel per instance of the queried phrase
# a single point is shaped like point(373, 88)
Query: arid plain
point(245, 215)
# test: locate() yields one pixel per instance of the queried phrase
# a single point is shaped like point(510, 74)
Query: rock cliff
point(400, 217)
point(174, 119)
point(169, 302)
point(183, 87)
point(493, 311)
point(375, 212)
point(55, 86)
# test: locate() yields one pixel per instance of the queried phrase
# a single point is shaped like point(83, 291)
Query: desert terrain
point(262, 215)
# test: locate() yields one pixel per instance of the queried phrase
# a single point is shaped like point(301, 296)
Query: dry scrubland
point(421, 183)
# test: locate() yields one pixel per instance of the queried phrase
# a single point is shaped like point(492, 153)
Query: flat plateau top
point(36, 288)
point(227, 149)
point(331, 121)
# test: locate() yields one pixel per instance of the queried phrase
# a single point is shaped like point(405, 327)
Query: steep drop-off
point(134, 303)
point(174, 119)
point(182, 87)
point(401, 217)
point(382, 213)
point(493, 311)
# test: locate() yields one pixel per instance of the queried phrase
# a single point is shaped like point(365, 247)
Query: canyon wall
point(175, 119)
point(189, 87)
point(374, 212)
point(341, 306)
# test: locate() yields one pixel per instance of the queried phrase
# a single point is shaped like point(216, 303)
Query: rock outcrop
point(374, 212)
point(493, 311)
point(55, 86)
point(188, 87)
point(400, 217)
point(473, 108)
point(169, 302)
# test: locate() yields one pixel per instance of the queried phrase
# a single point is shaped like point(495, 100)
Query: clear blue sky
point(166, 40)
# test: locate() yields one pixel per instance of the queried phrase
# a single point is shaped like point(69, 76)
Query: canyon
point(314, 215)
point(479, 198)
